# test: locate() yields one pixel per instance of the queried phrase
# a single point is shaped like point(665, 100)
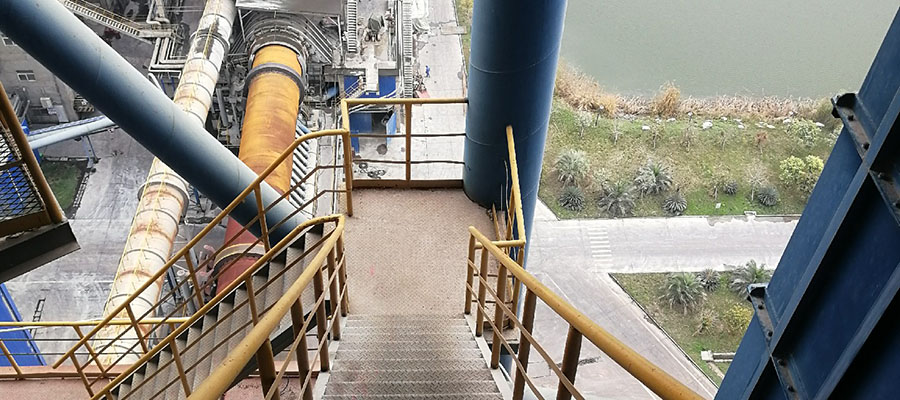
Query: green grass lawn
point(694, 168)
point(647, 290)
point(463, 19)
point(63, 178)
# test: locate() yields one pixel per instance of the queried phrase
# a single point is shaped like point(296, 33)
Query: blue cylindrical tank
point(512, 68)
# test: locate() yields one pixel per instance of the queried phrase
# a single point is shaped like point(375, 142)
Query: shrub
point(821, 113)
point(709, 279)
point(653, 178)
point(801, 173)
point(749, 274)
point(571, 166)
point(737, 318)
point(572, 198)
point(767, 196)
point(666, 102)
point(617, 200)
point(675, 204)
point(707, 322)
point(730, 188)
point(683, 290)
point(582, 92)
point(599, 180)
point(805, 131)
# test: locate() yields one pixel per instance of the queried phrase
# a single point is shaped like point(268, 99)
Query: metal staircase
point(207, 342)
point(409, 357)
point(102, 16)
point(352, 27)
point(406, 47)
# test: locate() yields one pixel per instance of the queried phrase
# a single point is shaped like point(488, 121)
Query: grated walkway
point(407, 250)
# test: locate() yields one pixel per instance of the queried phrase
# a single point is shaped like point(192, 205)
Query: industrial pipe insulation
point(164, 197)
point(270, 121)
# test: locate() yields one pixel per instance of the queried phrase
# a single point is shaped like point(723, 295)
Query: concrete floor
point(406, 250)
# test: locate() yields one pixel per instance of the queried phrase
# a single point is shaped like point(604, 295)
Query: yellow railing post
point(348, 156)
point(342, 275)
point(470, 272)
point(524, 344)
point(198, 291)
point(482, 291)
point(335, 303)
point(91, 352)
point(498, 315)
point(265, 357)
point(321, 319)
point(570, 362)
point(137, 329)
point(176, 355)
point(12, 361)
point(263, 228)
point(408, 141)
point(82, 375)
point(297, 320)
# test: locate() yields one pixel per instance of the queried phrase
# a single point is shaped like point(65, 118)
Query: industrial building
point(315, 223)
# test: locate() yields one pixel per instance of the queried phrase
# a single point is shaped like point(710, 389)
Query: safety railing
point(395, 165)
point(189, 292)
point(580, 326)
point(26, 200)
point(329, 258)
point(24, 340)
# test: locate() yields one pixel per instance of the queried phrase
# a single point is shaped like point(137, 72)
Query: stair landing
point(407, 250)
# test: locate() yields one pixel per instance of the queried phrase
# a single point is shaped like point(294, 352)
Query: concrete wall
point(45, 84)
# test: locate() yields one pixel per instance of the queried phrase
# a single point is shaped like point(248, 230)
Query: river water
point(812, 48)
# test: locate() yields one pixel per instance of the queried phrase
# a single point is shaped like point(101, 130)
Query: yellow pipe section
point(657, 380)
point(270, 122)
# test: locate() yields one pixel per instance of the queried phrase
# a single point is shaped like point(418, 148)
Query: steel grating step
point(409, 345)
point(467, 396)
point(347, 337)
point(410, 388)
point(400, 323)
point(411, 375)
point(396, 365)
point(409, 330)
point(436, 355)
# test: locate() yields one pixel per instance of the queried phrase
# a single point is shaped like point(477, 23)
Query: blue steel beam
point(74, 53)
point(512, 69)
point(828, 323)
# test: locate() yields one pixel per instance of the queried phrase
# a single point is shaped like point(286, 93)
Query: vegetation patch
point(64, 178)
point(700, 311)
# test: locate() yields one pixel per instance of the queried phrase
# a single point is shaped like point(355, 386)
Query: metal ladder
point(100, 15)
point(352, 28)
point(406, 49)
point(318, 39)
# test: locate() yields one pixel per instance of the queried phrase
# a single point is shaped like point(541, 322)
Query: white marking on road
point(601, 251)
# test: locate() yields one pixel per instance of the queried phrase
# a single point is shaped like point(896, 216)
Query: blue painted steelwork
point(828, 324)
point(69, 49)
point(515, 49)
point(19, 342)
point(361, 121)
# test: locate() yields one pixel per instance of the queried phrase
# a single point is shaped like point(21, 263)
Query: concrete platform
point(406, 250)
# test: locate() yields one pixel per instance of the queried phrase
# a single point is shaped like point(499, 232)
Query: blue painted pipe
point(69, 49)
point(512, 68)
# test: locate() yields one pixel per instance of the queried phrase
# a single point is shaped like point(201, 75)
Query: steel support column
point(515, 49)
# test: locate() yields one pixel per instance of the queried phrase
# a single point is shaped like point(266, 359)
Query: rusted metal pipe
point(270, 122)
point(164, 197)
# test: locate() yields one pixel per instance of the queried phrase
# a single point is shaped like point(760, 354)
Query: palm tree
point(684, 290)
point(748, 275)
point(653, 178)
point(617, 200)
point(571, 166)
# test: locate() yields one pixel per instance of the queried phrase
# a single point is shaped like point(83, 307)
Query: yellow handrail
point(116, 321)
point(221, 378)
point(657, 380)
point(215, 222)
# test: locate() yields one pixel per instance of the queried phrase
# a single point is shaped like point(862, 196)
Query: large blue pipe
point(68, 48)
point(512, 68)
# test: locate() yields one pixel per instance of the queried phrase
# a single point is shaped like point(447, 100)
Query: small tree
point(805, 131)
point(683, 290)
point(801, 173)
point(737, 318)
point(584, 120)
point(572, 198)
point(749, 274)
point(571, 166)
point(653, 178)
point(761, 138)
point(617, 200)
point(756, 175)
point(675, 203)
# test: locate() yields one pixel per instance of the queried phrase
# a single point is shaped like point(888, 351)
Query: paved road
point(575, 257)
